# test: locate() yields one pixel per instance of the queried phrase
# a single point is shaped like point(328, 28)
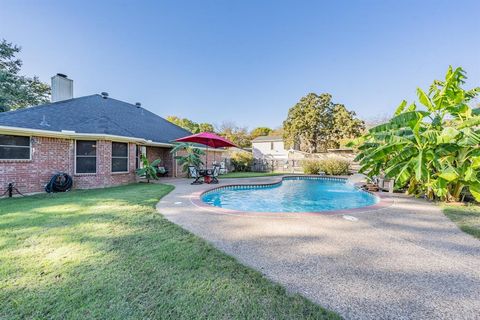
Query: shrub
point(331, 166)
point(311, 166)
point(242, 161)
point(334, 166)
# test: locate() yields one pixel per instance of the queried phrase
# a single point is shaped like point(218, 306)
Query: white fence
point(294, 163)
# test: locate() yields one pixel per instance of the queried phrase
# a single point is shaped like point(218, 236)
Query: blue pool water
point(292, 195)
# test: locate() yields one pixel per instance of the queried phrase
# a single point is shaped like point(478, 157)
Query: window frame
point(29, 148)
point(137, 157)
point(140, 150)
point(76, 156)
point(116, 157)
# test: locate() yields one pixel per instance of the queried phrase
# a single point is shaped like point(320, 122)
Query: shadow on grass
point(467, 218)
point(108, 254)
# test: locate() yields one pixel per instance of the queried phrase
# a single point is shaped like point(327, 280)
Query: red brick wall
point(104, 176)
point(154, 153)
point(51, 155)
point(48, 156)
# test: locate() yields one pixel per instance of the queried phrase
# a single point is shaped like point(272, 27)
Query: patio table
point(206, 173)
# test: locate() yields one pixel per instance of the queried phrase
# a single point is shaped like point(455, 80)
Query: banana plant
point(148, 169)
point(431, 149)
point(187, 155)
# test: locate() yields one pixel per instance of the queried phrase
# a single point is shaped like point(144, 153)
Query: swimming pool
point(292, 194)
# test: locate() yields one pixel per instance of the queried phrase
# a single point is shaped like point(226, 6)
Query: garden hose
point(60, 182)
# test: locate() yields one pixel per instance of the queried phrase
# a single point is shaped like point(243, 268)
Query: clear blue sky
point(246, 61)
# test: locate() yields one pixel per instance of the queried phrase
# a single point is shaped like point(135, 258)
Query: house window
point(14, 147)
point(137, 157)
point(119, 157)
point(86, 156)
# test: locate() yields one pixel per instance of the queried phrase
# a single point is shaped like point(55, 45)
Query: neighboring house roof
point(235, 149)
point(267, 139)
point(95, 115)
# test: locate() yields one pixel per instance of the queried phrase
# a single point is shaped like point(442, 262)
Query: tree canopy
point(190, 125)
point(316, 124)
point(277, 132)
point(259, 132)
point(206, 127)
point(238, 135)
point(18, 91)
point(228, 129)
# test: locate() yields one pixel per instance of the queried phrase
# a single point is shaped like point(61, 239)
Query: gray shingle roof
point(94, 114)
point(267, 139)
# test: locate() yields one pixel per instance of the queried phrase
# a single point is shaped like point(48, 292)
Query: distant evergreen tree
point(17, 91)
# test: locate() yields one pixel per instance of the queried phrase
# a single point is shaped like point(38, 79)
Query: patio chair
point(194, 174)
point(223, 168)
point(162, 171)
point(215, 172)
point(372, 186)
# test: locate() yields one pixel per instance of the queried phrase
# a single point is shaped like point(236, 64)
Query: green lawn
point(108, 254)
point(250, 174)
point(467, 218)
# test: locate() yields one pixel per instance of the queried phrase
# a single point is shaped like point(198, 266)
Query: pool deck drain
point(405, 261)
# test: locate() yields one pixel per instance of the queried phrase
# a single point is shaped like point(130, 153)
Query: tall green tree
point(433, 149)
point(316, 124)
point(346, 126)
point(18, 91)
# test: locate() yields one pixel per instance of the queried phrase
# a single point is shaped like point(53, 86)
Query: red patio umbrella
point(209, 139)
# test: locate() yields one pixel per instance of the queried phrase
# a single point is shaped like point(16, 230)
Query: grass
point(108, 254)
point(251, 174)
point(467, 218)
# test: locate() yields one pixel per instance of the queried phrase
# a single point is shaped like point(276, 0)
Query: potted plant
point(149, 169)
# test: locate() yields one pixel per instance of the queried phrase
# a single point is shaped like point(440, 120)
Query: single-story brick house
point(95, 139)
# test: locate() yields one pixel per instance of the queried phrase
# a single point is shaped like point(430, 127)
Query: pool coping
point(384, 201)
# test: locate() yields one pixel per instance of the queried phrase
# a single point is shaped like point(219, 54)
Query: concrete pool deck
point(403, 261)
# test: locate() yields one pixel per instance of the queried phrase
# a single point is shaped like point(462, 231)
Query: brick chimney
point(62, 87)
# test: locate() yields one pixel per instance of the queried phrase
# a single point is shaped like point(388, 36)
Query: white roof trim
point(74, 135)
point(273, 139)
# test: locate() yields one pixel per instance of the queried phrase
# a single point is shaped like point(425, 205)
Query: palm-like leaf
point(191, 155)
point(434, 152)
point(148, 169)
